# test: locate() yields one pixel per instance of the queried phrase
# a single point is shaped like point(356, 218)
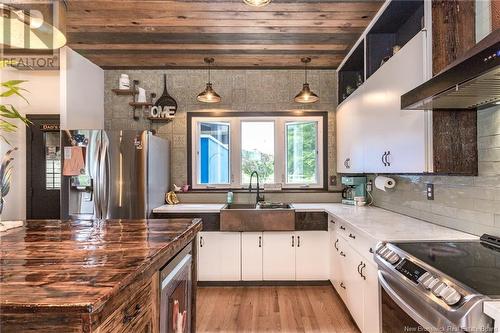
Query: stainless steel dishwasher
point(175, 293)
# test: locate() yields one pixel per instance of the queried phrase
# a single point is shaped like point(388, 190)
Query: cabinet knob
point(128, 317)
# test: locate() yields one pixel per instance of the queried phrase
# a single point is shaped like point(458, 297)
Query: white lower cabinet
point(219, 256)
point(278, 255)
point(251, 256)
point(354, 276)
point(311, 255)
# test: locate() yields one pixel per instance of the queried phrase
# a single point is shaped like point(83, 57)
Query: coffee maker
point(354, 186)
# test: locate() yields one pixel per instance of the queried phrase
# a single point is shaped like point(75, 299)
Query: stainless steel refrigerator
point(124, 174)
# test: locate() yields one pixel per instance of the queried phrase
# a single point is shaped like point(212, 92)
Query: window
point(286, 150)
point(52, 161)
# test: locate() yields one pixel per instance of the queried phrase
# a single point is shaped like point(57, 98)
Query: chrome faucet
point(258, 197)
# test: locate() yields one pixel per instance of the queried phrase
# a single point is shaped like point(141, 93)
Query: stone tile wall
point(471, 204)
point(241, 90)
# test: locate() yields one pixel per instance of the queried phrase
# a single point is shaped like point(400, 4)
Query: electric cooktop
point(474, 263)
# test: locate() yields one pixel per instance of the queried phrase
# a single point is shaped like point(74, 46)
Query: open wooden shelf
point(352, 74)
point(161, 119)
point(124, 91)
point(139, 105)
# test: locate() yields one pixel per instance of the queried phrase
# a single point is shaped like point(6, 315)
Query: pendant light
point(209, 95)
point(257, 3)
point(306, 95)
point(25, 30)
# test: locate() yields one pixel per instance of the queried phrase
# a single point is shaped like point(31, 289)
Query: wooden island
point(88, 276)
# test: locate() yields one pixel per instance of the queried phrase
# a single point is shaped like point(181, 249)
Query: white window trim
point(235, 150)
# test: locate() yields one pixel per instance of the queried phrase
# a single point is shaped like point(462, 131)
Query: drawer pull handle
point(370, 250)
point(342, 285)
point(298, 241)
point(359, 266)
point(342, 227)
point(361, 271)
point(335, 245)
point(342, 253)
point(352, 236)
point(129, 317)
point(260, 241)
point(201, 241)
point(293, 241)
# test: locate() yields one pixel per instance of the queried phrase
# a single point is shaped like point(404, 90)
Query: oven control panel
point(410, 270)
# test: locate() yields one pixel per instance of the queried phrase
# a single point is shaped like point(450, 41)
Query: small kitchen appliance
point(355, 187)
point(438, 285)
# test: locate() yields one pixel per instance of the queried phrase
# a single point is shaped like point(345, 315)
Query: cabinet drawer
point(362, 244)
point(134, 315)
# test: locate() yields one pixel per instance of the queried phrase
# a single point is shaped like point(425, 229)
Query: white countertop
point(492, 309)
point(384, 225)
point(189, 208)
point(377, 223)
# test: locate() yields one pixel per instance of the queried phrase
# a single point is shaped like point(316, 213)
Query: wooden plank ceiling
point(179, 34)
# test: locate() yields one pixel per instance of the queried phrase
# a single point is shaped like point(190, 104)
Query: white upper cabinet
point(373, 134)
point(395, 139)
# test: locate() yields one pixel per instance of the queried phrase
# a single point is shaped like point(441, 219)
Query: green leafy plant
point(8, 112)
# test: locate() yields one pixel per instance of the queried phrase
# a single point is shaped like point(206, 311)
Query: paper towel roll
point(383, 183)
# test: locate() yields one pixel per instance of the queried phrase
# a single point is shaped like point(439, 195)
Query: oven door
point(175, 295)
point(402, 311)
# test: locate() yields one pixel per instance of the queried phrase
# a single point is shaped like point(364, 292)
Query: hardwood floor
point(272, 309)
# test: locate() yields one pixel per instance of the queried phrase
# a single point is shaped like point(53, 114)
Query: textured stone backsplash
point(241, 90)
point(471, 204)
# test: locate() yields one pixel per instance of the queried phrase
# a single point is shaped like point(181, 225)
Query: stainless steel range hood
point(472, 81)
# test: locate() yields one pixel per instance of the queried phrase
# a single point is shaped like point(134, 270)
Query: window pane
point(301, 157)
point(214, 153)
point(52, 161)
point(257, 150)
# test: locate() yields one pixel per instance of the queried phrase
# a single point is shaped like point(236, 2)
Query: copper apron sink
point(250, 217)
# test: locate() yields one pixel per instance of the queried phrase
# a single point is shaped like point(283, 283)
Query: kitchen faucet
point(258, 197)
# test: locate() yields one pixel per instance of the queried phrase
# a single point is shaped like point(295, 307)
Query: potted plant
point(8, 116)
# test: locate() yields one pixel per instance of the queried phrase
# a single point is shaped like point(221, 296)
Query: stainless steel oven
point(176, 293)
point(436, 286)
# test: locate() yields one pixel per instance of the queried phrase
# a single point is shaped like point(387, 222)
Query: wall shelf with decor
point(125, 91)
point(398, 24)
point(352, 74)
point(134, 92)
point(161, 119)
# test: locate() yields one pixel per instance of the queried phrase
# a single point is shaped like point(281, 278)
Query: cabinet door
point(251, 256)
point(311, 256)
point(394, 135)
point(342, 267)
point(354, 286)
point(219, 256)
point(333, 249)
point(371, 295)
point(278, 255)
point(349, 134)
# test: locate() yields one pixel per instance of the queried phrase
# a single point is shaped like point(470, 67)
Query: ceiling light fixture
point(209, 95)
point(306, 95)
point(28, 30)
point(257, 3)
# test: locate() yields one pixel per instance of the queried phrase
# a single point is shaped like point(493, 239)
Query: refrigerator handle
point(96, 183)
point(103, 180)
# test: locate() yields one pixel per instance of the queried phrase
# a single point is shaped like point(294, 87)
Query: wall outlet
point(333, 180)
point(430, 191)
point(369, 186)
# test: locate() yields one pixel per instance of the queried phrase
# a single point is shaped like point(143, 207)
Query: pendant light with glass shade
point(306, 95)
point(209, 95)
point(257, 3)
point(28, 30)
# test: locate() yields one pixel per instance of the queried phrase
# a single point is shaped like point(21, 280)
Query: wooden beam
point(211, 47)
point(210, 6)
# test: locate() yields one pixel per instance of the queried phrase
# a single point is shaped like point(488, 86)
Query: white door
point(355, 285)
point(350, 135)
point(251, 256)
point(278, 255)
point(219, 256)
point(311, 255)
point(397, 139)
point(371, 296)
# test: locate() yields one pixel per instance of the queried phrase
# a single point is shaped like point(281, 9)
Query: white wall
point(82, 92)
point(43, 97)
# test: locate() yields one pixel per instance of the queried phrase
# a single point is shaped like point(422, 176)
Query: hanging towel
point(74, 162)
